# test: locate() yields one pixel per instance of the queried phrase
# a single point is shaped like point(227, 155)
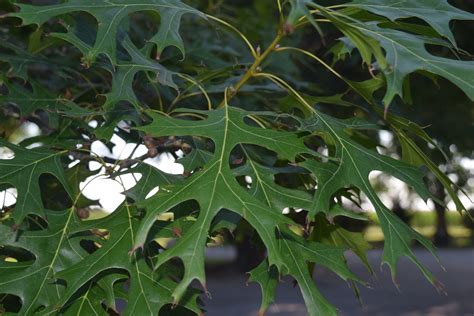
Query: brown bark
point(441, 237)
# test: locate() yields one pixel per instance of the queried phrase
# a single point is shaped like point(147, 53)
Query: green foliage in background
point(237, 93)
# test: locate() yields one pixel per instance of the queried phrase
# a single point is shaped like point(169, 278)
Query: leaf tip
point(206, 291)
point(440, 287)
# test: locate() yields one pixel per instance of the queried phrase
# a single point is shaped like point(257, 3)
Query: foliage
point(229, 112)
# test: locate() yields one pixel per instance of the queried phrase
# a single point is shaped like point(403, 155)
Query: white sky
point(108, 191)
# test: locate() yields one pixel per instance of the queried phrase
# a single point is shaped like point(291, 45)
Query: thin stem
point(253, 69)
point(280, 11)
point(245, 39)
point(197, 84)
point(328, 67)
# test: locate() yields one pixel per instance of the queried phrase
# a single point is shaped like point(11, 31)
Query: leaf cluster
point(254, 135)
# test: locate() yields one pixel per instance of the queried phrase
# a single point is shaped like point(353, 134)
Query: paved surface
point(415, 297)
